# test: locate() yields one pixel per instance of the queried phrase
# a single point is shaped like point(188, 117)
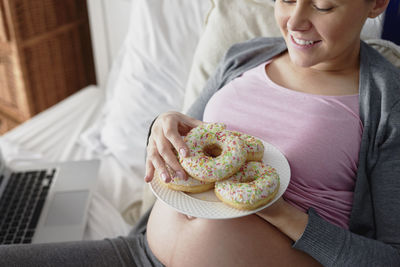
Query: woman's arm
point(288, 219)
point(334, 246)
point(328, 243)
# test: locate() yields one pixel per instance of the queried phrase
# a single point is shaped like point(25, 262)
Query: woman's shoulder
point(380, 74)
point(378, 63)
point(260, 43)
point(248, 54)
point(256, 47)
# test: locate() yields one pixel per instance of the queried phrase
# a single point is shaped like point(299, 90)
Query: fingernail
point(183, 152)
point(164, 176)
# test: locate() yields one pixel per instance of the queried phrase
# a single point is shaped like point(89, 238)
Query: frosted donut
point(213, 127)
point(202, 142)
point(253, 186)
point(254, 146)
point(191, 185)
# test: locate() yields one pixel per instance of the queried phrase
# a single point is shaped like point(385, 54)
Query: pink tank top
point(319, 135)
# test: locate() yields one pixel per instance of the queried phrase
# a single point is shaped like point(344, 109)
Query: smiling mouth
point(303, 43)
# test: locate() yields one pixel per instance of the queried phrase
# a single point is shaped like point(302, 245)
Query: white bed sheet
point(55, 135)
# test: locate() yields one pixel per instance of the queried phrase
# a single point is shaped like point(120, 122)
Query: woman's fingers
point(176, 140)
point(149, 171)
point(155, 162)
point(168, 154)
point(178, 128)
point(187, 124)
point(166, 136)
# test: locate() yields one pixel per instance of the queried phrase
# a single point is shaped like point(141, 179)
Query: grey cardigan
point(373, 238)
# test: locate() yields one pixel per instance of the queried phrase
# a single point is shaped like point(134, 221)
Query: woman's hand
point(287, 218)
point(166, 136)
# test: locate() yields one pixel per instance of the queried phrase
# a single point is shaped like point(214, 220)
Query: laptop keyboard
point(21, 205)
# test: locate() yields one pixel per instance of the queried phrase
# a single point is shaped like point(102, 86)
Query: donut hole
point(212, 150)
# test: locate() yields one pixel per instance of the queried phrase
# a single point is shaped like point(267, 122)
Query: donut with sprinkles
point(215, 154)
point(190, 185)
point(253, 186)
point(253, 145)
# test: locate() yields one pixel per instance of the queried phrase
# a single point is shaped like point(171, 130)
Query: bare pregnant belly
point(248, 241)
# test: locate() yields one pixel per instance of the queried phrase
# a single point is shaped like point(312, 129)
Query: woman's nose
point(298, 19)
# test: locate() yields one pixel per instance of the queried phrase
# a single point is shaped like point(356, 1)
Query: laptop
point(45, 202)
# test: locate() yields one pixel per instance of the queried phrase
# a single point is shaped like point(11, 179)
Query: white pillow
point(373, 28)
point(153, 73)
point(388, 49)
point(228, 22)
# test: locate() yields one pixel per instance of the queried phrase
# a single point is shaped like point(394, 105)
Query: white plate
point(207, 205)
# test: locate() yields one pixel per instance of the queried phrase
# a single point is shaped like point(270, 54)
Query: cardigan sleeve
point(334, 246)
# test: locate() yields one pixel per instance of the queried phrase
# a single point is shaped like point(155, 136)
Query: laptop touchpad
point(67, 208)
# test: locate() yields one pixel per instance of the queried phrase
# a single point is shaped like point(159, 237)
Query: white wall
point(109, 21)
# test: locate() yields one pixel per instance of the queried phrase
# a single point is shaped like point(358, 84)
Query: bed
point(151, 56)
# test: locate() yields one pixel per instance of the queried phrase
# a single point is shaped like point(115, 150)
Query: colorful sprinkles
point(253, 145)
point(207, 168)
point(244, 184)
point(254, 181)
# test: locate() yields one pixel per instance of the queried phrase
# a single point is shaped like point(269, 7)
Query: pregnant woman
point(331, 104)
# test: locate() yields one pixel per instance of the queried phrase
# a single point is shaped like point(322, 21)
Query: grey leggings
point(132, 250)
